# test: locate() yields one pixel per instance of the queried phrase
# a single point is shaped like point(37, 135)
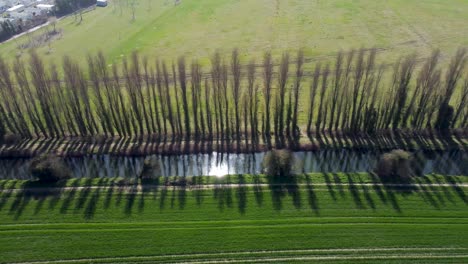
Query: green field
point(196, 28)
point(319, 217)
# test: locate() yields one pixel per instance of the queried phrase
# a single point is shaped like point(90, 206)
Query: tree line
point(230, 99)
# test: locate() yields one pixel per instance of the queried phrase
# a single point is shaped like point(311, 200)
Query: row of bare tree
point(231, 100)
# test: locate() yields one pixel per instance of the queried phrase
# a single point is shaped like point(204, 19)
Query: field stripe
point(270, 226)
point(377, 257)
point(239, 253)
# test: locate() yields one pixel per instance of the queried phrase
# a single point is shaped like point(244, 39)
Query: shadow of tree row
point(153, 144)
point(173, 195)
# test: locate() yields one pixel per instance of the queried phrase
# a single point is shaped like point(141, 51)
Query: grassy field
point(320, 217)
point(197, 28)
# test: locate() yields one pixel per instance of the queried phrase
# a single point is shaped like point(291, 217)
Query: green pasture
point(196, 28)
point(318, 217)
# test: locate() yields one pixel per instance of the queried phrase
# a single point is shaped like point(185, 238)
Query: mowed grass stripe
point(246, 227)
point(233, 223)
point(331, 254)
point(325, 258)
point(242, 254)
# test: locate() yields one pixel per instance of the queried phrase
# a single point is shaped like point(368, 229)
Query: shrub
point(278, 163)
point(151, 169)
point(395, 166)
point(49, 168)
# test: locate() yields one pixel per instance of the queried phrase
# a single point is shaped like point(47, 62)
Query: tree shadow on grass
point(29, 191)
point(367, 194)
point(458, 190)
point(389, 191)
point(90, 209)
point(258, 190)
point(198, 191)
point(354, 191)
point(131, 194)
point(83, 195)
point(329, 184)
point(4, 197)
point(312, 196)
point(281, 187)
point(19, 203)
point(93, 202)
point(241, 194)
point(378, 189)
point(446, 190)
point(223, 194)
point(70, 196)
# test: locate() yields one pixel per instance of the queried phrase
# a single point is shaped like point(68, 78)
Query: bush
point(278, 163)
point(395, 166)
point(151, 169)
point(49, 168)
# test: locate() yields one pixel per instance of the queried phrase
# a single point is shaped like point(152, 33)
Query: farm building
point(101, 3)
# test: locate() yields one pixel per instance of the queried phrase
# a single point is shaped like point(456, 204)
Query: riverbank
point(149, 145)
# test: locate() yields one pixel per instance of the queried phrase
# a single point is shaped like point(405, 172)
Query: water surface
point(218, 164)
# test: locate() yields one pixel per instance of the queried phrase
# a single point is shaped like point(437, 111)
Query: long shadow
point(69, 197)
point(391, 191)
point(339, 184)
point(149, 186)
point(367, 195)
point(282, 186)
point(19, 203)
point(258, 191)
point(27, 193)
point(39, 204)
point(378, 188)
point(446, 190)
point(432, 189)
point(83, 195)
point(312, 196)
point(353, 189)
point(198, 190)
point(224, 197)
point(130, 198)
point(241, 194)
point(108, 197)
point(392, 198)
point(427, 196)
point(162, 198)
point(4, 197)
point(329, 184)
point(182, 196)
point(90, 209)
point(457, 188)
